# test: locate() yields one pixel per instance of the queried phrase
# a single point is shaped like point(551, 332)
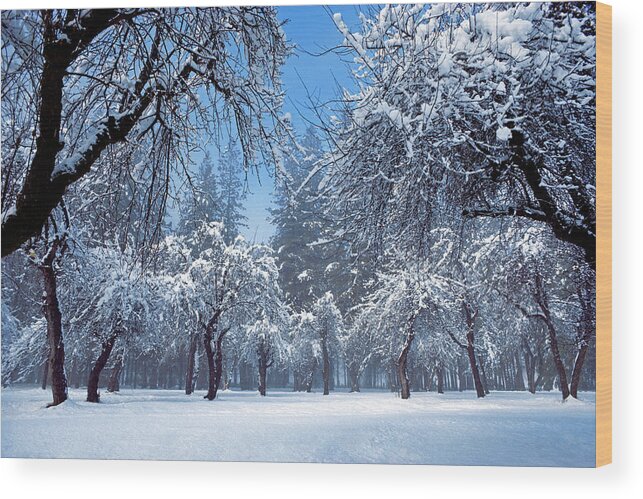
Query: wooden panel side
point(604, 234)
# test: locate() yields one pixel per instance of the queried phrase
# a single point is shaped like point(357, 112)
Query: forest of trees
point(437, 233)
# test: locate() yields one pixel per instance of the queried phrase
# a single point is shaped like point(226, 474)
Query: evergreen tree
point(299, 226)
point(232, 192)
point(202, 203)
point(314, 256)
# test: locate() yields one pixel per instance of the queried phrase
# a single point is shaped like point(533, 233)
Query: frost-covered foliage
point(152, 80)
point(237, 281)
point(305, 350)
point(361, 344)
point(440, 236)
point(23, 348)
point(327, 322)
point(311, 258)
point(201, 202)
point(486, 108)
point(232, 192)
point(117, 296)
point(265, 337)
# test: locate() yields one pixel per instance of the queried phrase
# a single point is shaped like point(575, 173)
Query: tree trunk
point(520, 381)
point(541, 298)
point(471, 314)
point(56, 359)
point(263, 369)
point(325, 366)
point(218, 358)
point(94, 375)
point(578, 366)
point(440, 373)
point(484, 377)
point(402, 361)
point(311, 377)
point(264, 363)
point(353, 374)
point(114, 384)
point(189, 373)
point(530, 367)
point(263, 372)
point(558, 362)
point(214, 357)
point(209, 354)
point(587, 327)
point(474, 365)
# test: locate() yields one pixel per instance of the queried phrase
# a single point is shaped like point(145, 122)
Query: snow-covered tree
point(265, 344)
point(305, 350)
point(227, 284)
point(86, 81)
point(202, 202)
point(117, 303)
point(489, 106)
point(232, 192)
point(307, 269)
point(407, 289)
point(542, 282)
point(360, 344)
point(23, 348)
point(328, 325)
point(46, 253)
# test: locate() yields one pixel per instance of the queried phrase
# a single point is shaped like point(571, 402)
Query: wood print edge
point(604, 234)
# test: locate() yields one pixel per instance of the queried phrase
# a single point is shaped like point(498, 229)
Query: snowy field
point(374, 427)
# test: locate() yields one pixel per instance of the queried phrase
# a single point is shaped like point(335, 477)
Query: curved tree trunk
point(587, 327)
point(541, 298)
point(215, 364)
point(558, 361)
point(578, 366)
point(56, 360)
point(94, 375)
point(214, 354)
point(402, 361)
point(471, 314)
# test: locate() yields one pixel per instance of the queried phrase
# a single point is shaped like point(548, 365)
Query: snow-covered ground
point(372, 427)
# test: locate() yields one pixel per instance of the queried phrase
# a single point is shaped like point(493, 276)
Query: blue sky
point(312, 30)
